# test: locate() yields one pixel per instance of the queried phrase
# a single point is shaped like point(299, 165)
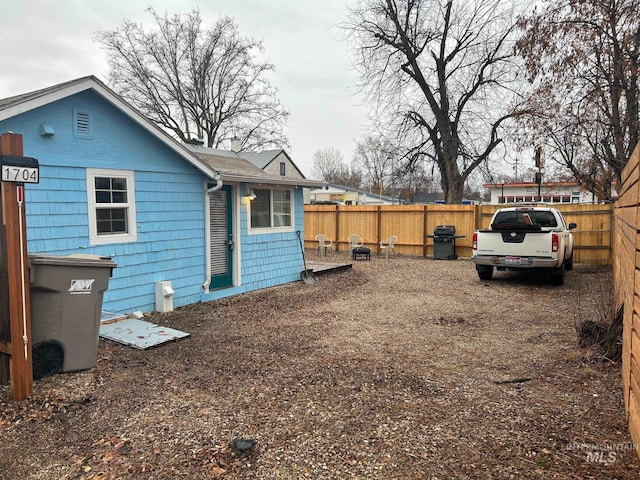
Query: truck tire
point(568, 263)
point(485, 272)
point(557, 275)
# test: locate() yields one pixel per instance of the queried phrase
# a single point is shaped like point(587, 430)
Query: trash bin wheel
point(47, 358)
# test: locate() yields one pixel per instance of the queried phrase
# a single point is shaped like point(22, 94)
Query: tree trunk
point(454, 191)
point(452, 180)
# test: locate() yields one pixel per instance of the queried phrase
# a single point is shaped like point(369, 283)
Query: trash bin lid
point(74, 260)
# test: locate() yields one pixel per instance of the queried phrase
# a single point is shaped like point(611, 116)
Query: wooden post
point(5, 325)
point(15, 254)
point(424, 232)
point(379, 229)
point(337, 225)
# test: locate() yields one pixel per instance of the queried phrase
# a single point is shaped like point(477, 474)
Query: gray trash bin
point(66, 304)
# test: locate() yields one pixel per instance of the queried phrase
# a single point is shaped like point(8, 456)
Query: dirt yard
point(403, 369)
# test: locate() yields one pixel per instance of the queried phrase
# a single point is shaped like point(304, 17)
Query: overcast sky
point(44, 42)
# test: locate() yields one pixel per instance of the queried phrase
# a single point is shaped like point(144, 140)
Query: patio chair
point(355, 241)
point(324, 244)
point(388, 246)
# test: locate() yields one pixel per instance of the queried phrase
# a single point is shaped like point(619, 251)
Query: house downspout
point(218, 184)
point(215, 188)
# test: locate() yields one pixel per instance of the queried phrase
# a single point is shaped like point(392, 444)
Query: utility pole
point(539, 170)
point(393, 180)
point(14, 280)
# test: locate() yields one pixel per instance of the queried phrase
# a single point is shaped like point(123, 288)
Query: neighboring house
point(423, 198)
point(428, 197)
point(114, 184)
point(341, 195)
point(548, 192)
point(276, 162)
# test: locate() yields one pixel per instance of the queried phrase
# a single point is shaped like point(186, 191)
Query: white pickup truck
point(525, 238)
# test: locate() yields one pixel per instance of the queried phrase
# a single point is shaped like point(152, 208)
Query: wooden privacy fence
point(414, 223)
point(626, 264)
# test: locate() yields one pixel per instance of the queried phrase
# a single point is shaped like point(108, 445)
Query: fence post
point(337, 220)
point(379, 230)
point(424, 231)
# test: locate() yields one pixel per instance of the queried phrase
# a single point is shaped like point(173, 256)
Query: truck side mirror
point(573, 225)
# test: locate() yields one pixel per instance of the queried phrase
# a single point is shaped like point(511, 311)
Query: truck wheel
point(568, 263)
point(485, 272)
point(557, 275)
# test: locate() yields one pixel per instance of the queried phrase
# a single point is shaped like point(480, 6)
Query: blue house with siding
point(114, 184)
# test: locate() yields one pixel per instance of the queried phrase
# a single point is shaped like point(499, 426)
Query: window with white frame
point(112, 207)
point(272, 208)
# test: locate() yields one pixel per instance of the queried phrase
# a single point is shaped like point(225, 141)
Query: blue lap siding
point(170, 204)
point(169, 196)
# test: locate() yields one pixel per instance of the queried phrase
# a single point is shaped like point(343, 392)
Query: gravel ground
point(407, 368)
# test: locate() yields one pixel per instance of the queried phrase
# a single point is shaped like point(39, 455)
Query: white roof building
point(547, 192)
point(342, 195)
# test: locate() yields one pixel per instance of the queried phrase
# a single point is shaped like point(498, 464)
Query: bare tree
point(375, 157)
point(445, 68)
point(414, 178)
point(582, 58)
point(329, 165)
point(387, 171)
point(197, 83)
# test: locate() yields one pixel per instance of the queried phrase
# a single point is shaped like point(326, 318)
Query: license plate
point(512, 260)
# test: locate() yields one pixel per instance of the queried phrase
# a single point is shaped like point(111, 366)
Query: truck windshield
point(524, 217)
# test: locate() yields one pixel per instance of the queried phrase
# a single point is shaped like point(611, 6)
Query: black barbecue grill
point(444, 242)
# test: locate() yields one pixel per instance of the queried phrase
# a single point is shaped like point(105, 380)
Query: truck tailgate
point(514, 243)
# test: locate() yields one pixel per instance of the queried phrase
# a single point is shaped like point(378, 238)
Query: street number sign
point(19, 174)
point(19, 169)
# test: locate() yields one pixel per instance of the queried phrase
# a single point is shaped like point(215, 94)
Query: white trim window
point(112, 206)
point(272, 209)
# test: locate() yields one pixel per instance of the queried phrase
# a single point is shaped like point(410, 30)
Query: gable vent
point(82, 124)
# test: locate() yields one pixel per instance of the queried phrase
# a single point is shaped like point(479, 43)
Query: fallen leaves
point(384, 371)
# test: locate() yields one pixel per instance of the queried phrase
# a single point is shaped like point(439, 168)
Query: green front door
point(221, 238)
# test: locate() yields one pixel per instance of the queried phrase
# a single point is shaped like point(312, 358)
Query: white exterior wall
point(550, 193)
